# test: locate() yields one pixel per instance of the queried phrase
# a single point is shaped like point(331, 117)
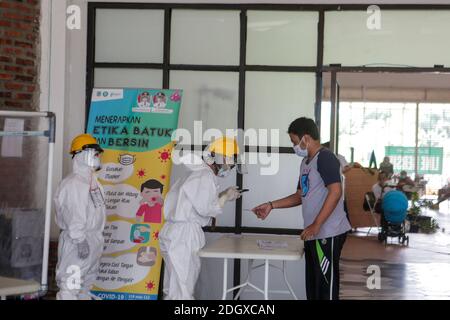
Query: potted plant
point(417, 221)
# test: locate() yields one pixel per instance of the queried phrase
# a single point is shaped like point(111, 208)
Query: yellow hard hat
point(225, 146)
point(84, 141)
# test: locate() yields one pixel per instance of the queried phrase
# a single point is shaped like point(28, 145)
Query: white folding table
point(15, 287)
point(246, 247)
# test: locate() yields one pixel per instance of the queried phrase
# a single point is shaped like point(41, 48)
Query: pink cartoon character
point(175, 96)
point(151, 203)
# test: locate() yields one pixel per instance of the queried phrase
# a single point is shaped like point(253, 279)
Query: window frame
point(242, 68)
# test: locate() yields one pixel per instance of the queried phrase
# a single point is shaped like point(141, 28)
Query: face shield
point(92, 157)
point(226, 164)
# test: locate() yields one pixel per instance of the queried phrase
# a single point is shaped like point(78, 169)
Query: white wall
point(53, 78)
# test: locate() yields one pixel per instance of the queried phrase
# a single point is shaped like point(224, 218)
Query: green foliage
point(430, 227)
point(425, 226)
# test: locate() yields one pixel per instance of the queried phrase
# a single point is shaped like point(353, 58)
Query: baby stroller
point(394, 210)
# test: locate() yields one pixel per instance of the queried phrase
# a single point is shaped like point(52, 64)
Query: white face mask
point(222, 173)
point(299, 151)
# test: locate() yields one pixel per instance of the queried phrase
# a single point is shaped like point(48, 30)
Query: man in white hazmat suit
point(189, 205)
point(80, 213)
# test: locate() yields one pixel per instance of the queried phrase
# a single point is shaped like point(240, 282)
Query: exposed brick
point(5, 94)
point(5, 76)
point(23, 78)
point(31, 37)
point(14, 69)
point(23, 26)
point(16, 16)
point(22, 7)
point(23, 44)
point(13, 51)
point(5, 42)
point(5, 59)
point(14, 104)
point(13, 86)
point(5, 23)
point(31, 54)
point(24, 62)
point(31, 72)
point(19, 64)
point(24, 96)
point(13, 34)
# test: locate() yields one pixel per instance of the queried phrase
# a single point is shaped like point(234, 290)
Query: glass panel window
point(125, 35)
point(282, 38)
point(382, 123)
point(209, 97)
point(406, 38)
point(205, 37)
point(274, 99)
point(127, 78)
point(434, 144)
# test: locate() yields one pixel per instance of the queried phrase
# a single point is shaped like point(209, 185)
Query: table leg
point(247, 280)
point(250, 267)
point(266, 280)
point(225, 278)
point(286, 281)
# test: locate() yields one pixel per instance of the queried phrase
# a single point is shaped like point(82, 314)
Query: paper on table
point(270, 245)
point(12, 146)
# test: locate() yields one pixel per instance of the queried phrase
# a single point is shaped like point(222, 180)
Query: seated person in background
point(443, 194)
point(404, 180)
point(379, 189)
point(405, 184)
point(387, 167)
point(418, 178)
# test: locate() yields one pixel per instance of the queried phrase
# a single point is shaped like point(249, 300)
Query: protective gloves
point(83, 250)
point(229, 194)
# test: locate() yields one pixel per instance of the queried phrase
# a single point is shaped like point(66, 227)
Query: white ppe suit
point(189, 205)
point(82, 227)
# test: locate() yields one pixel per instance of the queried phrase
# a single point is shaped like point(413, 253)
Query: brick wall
point(19, 54)
point(19, 64)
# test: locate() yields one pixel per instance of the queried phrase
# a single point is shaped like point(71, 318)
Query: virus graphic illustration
point(150, 285)
point(164, 155)
point(141, 173)
point(155, 235)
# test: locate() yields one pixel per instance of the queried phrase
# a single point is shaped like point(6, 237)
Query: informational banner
point(429, 159)
point(134, 127)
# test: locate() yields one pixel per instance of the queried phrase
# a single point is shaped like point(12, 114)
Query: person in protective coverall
point(189, 205)
point(80, 213)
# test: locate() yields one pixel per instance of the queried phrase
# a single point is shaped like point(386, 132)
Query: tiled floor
point(419, 271)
